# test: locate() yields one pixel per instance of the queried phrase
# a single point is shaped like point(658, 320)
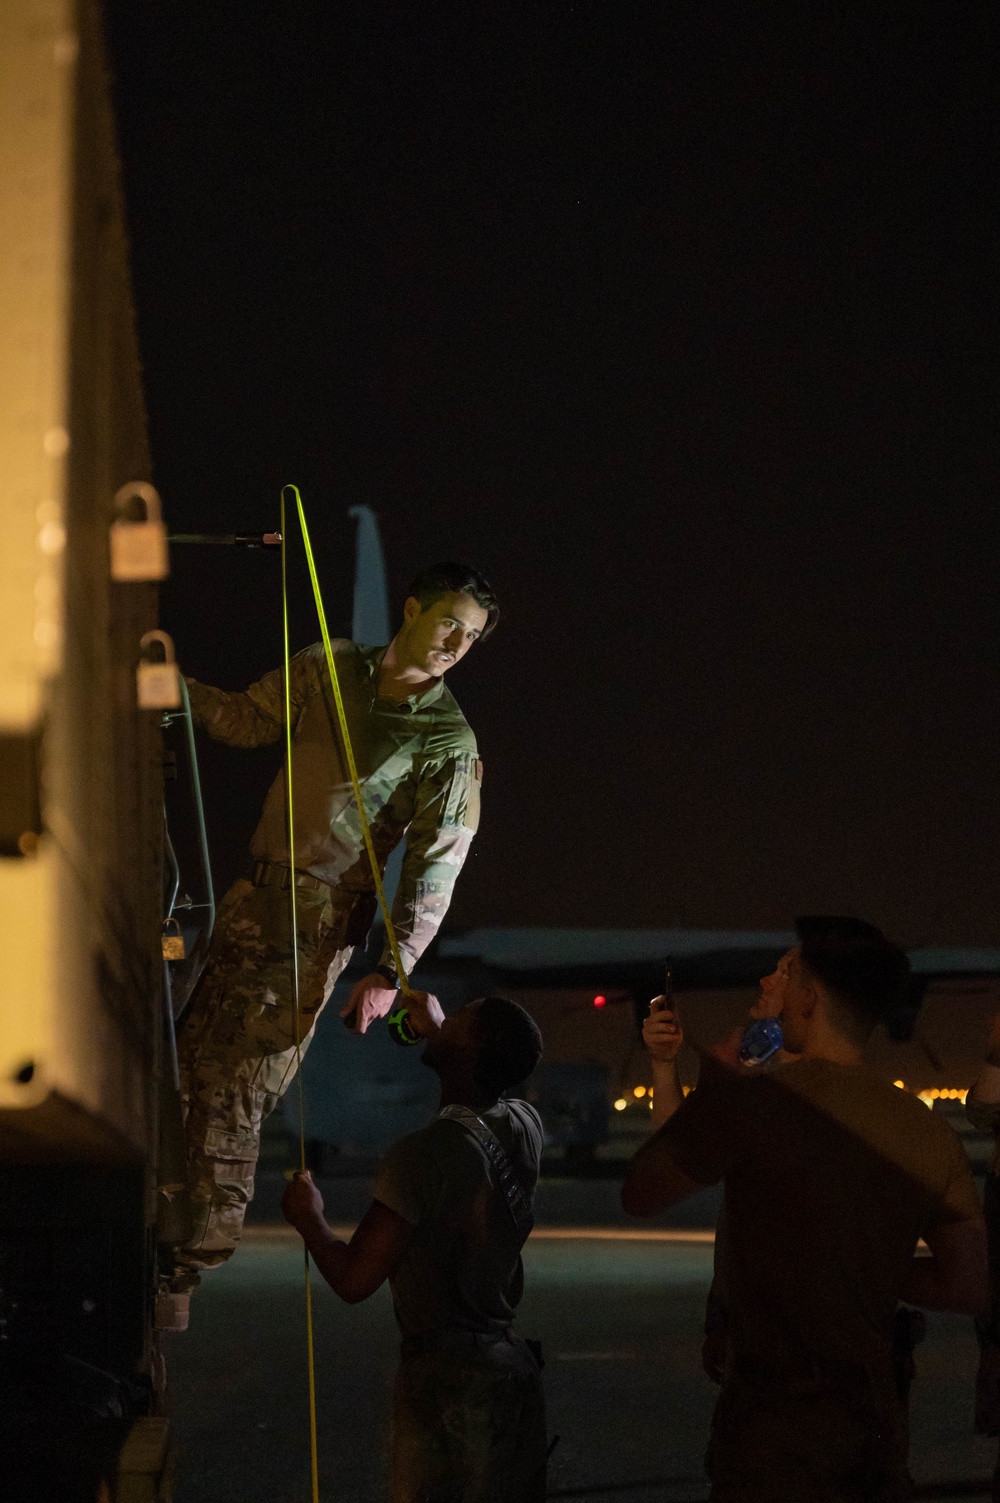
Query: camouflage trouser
point(468, 1423)
point(841, 1438)
point(237, 1047)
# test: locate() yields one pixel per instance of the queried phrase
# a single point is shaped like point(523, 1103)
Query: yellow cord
point(310, 1344)
point(390, 932)
point(376, 876)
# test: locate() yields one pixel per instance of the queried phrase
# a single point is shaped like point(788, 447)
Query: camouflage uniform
point(418, 766)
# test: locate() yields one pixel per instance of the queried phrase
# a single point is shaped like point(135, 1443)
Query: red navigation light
point(600, 1001)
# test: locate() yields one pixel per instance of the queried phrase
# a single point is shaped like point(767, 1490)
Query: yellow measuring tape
point(376, 875)
point(390, 932)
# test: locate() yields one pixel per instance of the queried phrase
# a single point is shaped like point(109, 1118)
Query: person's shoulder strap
point(518, 1203)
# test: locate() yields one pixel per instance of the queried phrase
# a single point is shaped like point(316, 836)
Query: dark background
point(673, 319)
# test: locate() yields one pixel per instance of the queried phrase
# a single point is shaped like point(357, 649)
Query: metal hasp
point(229, 539)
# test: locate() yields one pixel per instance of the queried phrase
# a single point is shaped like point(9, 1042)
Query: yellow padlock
point(173, 944)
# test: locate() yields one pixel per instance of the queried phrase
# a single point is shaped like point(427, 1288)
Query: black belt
point(273, 874)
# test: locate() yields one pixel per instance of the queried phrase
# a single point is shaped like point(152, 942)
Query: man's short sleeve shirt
point(831, 1175)
point(462, 1268)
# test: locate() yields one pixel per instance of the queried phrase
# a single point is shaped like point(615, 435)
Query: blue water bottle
point(761, 1041)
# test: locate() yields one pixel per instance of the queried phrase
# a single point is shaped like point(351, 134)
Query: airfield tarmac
point(617, 1306)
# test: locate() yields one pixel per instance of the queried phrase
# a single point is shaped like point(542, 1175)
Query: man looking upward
point(420, 774)
point(831, 1176)
point(451, 1208)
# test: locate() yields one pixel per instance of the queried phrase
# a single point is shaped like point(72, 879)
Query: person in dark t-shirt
point(450, 1212)
point(831, 1177)
point(982, 1107)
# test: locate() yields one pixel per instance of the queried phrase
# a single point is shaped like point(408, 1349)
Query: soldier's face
point(440, 634)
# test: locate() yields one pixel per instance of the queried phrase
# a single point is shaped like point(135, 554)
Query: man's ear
point(411, 609)
point(810, 999)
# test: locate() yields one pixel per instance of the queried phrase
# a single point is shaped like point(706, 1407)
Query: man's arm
point(653, 1181)
point(663, 1037)
point(440, 833)
point(354, 1269)
point(254, 716)
point(445, 820)
point(956, 1275)
point(708, 1131)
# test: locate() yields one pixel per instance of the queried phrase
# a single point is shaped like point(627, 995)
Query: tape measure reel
point(400, 1028)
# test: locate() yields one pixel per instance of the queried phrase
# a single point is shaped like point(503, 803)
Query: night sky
point(675, 320)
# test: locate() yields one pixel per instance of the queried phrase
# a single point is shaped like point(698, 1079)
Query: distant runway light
point(620, 1104)
point(600, 1001)
point(639, 1091)
point(943, 1093)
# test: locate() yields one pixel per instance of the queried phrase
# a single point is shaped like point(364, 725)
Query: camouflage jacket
point(417, 764)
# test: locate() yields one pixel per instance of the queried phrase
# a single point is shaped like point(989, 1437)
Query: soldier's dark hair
point(866, 974)
point(510, 1044)
point(455, 579)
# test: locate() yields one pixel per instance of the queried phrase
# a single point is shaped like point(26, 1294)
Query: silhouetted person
point(663, 1037)
point(831, 1176)
point(450, 1213)
point(982, 1108)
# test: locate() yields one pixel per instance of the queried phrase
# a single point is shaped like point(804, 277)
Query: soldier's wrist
point(388, 974)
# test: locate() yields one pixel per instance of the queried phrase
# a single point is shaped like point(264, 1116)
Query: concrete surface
point(620, 1319)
